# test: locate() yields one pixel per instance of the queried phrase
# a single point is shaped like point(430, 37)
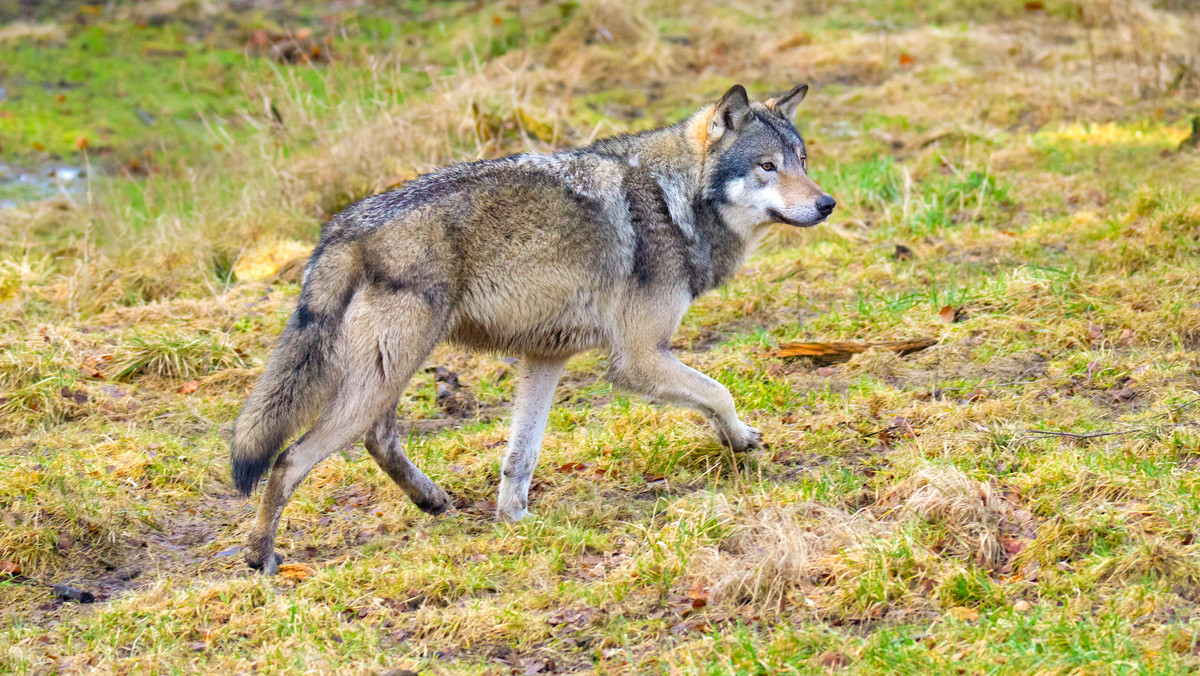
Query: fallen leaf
point(947, 314)
point(978, 394)
point(571, 467)
point(556, 617)
point(830, 658)
point(793, 41)
point(963, 613)
point(1014, 546)
point(1035, 6)
point(906, 61)
point(190, 386)
point(78, 396)
point(1124, 395)
point(1022, 606)
point(9, 568)
point(295, 571)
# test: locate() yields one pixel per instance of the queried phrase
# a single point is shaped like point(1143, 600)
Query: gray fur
point(542, 256)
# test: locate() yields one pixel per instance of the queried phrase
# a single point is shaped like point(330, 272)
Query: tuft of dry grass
point(969, 512)
point(775, 550)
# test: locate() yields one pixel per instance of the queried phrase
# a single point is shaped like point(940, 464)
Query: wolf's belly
point(546, 320)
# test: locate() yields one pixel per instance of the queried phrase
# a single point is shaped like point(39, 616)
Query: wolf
point(539, 256)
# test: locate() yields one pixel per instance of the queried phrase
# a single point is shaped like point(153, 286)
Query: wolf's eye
point(768, 166)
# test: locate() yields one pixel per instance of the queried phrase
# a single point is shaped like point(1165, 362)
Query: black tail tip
point(246, 474)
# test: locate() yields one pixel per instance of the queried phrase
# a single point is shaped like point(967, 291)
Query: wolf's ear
point(731, 112)
point(785, 104)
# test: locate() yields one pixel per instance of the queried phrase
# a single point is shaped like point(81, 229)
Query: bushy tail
point(300, 377)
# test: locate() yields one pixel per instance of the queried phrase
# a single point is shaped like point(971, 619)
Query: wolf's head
point(755, 164)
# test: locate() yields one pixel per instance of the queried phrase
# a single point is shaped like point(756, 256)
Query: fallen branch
point(843, 351)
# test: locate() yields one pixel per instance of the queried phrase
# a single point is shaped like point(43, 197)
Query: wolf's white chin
point(799, 218)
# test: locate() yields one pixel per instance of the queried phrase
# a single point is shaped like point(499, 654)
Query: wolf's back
point(301, 375)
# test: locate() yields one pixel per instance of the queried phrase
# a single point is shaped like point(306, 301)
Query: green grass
point(1019, 498)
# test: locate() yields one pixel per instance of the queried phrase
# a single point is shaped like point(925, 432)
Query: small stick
point(1073, 435)
point(1179, 408)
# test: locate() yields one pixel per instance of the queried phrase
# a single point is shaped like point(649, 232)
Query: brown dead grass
point(774, 550)
point(969, 512)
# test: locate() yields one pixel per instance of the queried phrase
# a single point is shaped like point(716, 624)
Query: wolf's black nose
point(825, 204)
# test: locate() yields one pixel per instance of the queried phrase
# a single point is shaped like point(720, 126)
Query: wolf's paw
point(748, 439)
point(511, 516)
point(511, 508)
point(267, 565)
point(434, 502)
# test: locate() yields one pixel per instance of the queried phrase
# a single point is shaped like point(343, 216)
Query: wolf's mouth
point(780, 218)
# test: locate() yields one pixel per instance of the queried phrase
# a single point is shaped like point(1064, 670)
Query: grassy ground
point(1021, 497)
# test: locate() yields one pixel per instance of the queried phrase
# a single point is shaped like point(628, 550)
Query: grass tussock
point(174, 355)
point(772, 552)
point(969, 512)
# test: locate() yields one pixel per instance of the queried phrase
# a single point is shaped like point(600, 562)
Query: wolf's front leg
point(657, 374)
point(535, 392)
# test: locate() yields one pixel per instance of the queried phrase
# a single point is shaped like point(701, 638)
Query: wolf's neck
point(715, 249)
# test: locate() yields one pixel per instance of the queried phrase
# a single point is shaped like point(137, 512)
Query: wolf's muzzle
point(777, 217)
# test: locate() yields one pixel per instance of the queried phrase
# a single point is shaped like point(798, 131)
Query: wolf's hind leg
point(657, 374)
point(291, 466)
point(385, 446)
point(386, 338)
point(535, 393)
